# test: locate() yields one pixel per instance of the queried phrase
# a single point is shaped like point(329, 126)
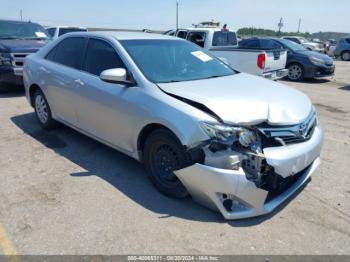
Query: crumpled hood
point(245, 99)
point(21, 46)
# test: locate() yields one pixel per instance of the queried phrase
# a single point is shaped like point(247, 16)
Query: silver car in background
point(237, 143)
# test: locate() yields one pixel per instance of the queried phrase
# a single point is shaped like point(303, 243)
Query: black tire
point(292, 72)
point(163, 153)
point(345, 56)
point(47, 122)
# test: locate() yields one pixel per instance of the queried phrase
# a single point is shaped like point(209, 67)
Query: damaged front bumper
point(236, 197)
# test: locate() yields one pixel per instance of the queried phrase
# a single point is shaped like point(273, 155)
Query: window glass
point(224, 39)
point(253, 44)
point(51, 55)
point(347, 40)
point(267, 44)
point(164, 61)
point(101, 56)
point(22, 30)
point(182, 34)
point(70, 30)
point(70, 52)
point(197, 37)
point(291, 45)
point(51, 31)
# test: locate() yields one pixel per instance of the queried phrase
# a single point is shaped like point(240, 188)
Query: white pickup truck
point(223, 44)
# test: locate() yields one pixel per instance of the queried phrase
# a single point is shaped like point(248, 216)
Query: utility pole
point(280, 25)
point(299, 25)
point(177, 15)
point(21, 14)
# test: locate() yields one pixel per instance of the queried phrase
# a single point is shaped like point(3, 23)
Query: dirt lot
point(63, 193)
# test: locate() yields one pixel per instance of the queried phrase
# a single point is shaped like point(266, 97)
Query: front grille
point(18, 59)
point(277, 136)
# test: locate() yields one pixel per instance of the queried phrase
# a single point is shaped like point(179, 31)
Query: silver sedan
point(236, 143)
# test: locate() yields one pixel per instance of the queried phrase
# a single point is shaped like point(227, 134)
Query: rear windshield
point(70, 30)
point(224, 39)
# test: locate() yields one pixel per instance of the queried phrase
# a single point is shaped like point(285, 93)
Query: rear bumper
point(11, 76)
point(211, 186)
point(275, 75)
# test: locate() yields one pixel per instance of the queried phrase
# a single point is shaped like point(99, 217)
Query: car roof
point(262, 37)
point(66, 26)
point(17, 21)
point(119, 35)
point(211, 29)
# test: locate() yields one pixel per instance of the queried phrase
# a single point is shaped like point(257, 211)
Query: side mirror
point(117, 76)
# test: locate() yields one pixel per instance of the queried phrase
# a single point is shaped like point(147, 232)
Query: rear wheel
point(345, 56)
point(43, 111)
point(295, 72)
point(164, 154)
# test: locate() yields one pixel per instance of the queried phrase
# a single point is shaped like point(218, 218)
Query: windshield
point(302, 40)
point(21, 30)
point(164, 61)
point(292, 45)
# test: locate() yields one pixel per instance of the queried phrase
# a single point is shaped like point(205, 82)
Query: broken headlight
point(227, 135)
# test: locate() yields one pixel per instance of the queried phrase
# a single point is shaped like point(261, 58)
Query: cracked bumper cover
point(206, 184)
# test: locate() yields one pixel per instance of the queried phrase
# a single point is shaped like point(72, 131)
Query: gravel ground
point(63, 193)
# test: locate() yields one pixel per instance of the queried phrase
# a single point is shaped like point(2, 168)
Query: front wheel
point(43, 111)
point(295, 72)
point(345, 56)
point(164, 154)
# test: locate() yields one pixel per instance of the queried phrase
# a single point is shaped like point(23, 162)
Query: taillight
point(261, 60)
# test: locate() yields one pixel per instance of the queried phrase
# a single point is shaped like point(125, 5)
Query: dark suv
point(17, 40)
point(301, 63)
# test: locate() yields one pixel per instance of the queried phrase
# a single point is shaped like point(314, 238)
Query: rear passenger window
point(252, 44)
point(69, 52)
point(101, 56)
point(51, 55)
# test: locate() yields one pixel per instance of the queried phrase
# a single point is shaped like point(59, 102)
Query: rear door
point(59, 71)
point(276, 56)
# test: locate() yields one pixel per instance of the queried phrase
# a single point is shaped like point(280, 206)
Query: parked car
point(342, 49)
point(223, 44)
point(306, 43)
point(17, 40)
point(330, 46)
point(57, 31)
point(301, 63)
point(237, 143)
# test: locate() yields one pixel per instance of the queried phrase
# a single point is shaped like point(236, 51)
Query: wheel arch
point(32, 90)
point(344, 51)
point(145, 132)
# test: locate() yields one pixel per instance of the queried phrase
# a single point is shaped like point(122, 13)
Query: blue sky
point(317, 15)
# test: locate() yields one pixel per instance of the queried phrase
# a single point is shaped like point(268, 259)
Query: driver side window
point(197, 37)
point(101, 56)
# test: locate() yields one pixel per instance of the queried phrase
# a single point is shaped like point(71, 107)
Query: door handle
point(79, 82)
